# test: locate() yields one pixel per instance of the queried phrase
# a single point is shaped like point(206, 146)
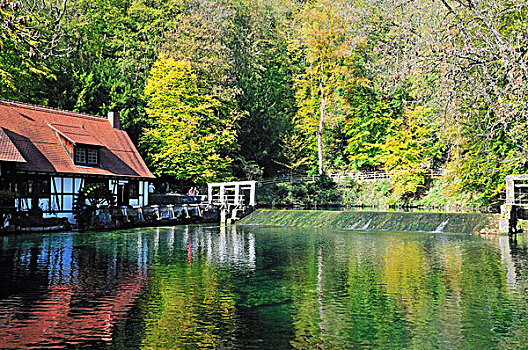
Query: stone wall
point(112, 218)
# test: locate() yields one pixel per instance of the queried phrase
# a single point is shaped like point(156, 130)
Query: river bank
point(324, 192)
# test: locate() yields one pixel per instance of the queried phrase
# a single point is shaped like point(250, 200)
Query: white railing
point(227, 199)
point(358, 176)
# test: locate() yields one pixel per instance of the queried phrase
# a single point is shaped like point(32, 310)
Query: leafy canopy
point(188, 133)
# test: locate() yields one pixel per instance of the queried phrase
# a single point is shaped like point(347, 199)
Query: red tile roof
point(76, 134)
point(31, 129)
point(8, 151)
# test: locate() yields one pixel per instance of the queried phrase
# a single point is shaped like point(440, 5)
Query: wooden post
point(222, 193)
point(209, 193)
point(510, 190)
point(237, 194)
point(253, 194)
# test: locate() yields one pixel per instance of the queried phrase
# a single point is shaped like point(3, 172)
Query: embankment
point(375, 220)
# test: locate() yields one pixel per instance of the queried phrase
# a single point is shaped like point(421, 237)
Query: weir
point(374, 220)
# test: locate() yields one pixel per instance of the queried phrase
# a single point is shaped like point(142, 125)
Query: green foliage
point(189, 130)
point(110, 46)
point(371, 121)
point(295, 153)
point(370, 194)
point(483, 165)
point(251, 170)
point(257, 88)
point(326, 71)
point(443, 194)
point(350, 192)
point(262, 71)
point(321, 192)
point(20, 59)
point(409, 153)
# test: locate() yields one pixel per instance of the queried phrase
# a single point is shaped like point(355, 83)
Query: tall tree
point(108, 48)
point(464, 60)
point(189, 133)
point(411, 152)
point(327, 40)
point(29, 34)
point(258, 43)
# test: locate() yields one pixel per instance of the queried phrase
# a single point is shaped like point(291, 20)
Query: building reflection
point(58, 291)
point(66, 290)
point(226, 247)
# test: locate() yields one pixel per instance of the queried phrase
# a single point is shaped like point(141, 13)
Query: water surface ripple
point(251, 287)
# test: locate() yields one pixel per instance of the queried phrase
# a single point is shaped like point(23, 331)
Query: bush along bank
point(325, 192)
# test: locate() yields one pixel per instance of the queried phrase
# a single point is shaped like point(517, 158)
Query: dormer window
point(80, 155)
point(92, 156)
point(86, 155)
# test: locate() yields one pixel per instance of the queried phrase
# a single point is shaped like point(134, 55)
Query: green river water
point(255, 287)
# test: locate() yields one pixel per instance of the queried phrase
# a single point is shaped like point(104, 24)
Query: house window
point(85, 155)
point(93, 156)
point(43, 188)
point(80, 155)
point(38, 187)
point(133, 187)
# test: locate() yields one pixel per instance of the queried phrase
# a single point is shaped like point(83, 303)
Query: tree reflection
point(256, 287)
point(193, 304)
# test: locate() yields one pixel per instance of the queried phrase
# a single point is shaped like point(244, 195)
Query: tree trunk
point(320, 129)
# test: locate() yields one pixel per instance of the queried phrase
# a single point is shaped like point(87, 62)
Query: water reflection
point(222, 245)
point(70, 289)
point(197, 294)
point(60, 290)
point(257, 287)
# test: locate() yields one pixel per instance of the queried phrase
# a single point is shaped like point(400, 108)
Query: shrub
point(321, 192)
point(443, 195)
point(370, 194)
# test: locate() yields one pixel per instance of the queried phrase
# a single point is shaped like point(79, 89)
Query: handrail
point(228, 198)
point(359, 176)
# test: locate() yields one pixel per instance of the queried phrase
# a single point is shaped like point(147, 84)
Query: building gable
point(46, 138)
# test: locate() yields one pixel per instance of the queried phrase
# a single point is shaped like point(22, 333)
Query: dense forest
point(220, 89)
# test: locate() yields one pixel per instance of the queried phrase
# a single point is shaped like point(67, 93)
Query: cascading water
point(442, 226)
point(372, 220)
point(365, 227)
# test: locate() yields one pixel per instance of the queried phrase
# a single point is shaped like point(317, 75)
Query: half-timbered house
point(48, 155)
